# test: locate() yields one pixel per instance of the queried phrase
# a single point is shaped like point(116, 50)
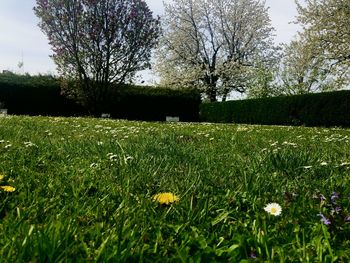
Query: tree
point(326, 32)
point(97, 42)
point(214, 44)
point(263, 83)
point(301, 70)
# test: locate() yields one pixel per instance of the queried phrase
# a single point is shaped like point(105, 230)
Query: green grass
point(84, 192)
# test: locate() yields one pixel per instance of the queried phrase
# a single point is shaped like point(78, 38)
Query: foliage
point(40, 95)
point(84, 191)
point(35, 95)
point(153, 103)
point(326, 26)
point(321, 109)
point(319, 59)
point(263, 84)
point(97, 42)
point(302, 71)
point(215, 46)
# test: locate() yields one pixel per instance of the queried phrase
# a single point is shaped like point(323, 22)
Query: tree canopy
point(98, 42)
point(319, 58)
point(326, 26)
point(215, 45)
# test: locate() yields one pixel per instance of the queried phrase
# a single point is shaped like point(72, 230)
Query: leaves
point(98, 42)
point(214, 45)
point(319, 58)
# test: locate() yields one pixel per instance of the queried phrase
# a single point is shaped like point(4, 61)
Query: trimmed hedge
point(320, 109)
point(35, 95)
point(154, 103)
point(41, 95)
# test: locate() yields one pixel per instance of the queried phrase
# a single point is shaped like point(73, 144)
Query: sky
point(21, 40)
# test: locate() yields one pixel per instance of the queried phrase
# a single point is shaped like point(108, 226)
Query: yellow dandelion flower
point(165, 198)
point(8, 188)
point(1, 177)
point(273, 209)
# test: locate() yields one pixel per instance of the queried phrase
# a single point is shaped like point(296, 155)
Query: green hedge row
point(154, 103)
point(35, 95)
point(320, 109)
point(41, 95)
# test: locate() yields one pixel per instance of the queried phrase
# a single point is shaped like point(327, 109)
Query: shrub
point(321, 109)
point(153, 103)
point(35, 95)
point(41, 95)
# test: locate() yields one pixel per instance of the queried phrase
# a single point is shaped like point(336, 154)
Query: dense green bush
point(321, 109)
point(154, 103)
point(35, 95)
point(41, 95)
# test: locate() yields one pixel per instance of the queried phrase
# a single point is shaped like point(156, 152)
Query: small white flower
point(290, 144)
point(274, 144)
point(113, 157)
point(93, 165)
point(276, 150)
point(324, 163)
point(240, 129)
point(307, 167)
point(128, 158)
point(29, 144)
point(273, 209)
point(8, 146)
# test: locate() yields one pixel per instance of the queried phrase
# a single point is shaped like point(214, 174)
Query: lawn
point(85, 190)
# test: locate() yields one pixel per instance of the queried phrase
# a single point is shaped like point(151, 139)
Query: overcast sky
point(20, 37)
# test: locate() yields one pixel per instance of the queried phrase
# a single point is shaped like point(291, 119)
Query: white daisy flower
point(273, 209)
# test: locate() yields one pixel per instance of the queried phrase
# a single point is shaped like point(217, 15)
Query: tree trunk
point(211, 90)
point(211, 93)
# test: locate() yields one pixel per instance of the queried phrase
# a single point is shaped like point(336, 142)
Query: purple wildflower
point(334, 197)
point(336, 210)
point(253, 255)
point(347, 219)
point(322, 198)
point(324, 219)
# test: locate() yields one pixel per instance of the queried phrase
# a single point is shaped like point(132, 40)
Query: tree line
point(215, 46)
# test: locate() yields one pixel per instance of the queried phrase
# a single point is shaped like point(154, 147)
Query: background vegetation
point(41, 95)
point(35, 95)
point(227, 45)
point(321, 109)
point(97, 43)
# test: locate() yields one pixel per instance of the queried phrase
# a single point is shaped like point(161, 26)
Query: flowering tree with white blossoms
point(215, 45)
point(319, 58)
point(326, 26)
point(98, 42)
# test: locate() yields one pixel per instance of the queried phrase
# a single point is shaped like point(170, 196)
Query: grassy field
point(82, 190)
